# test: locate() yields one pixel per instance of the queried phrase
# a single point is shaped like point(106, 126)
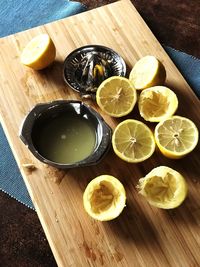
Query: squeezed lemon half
point(116, 96)
point(133, 141)
point(176, 136)
point(147, 72)
point(39, 53)
point(104, 198)
point(157, 103)
point(163, 187)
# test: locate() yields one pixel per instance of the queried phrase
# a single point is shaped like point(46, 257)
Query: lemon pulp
point(39, 53)
point(104, 198)
point(163, 187)
point(133, 141)
point(157, 103)
point(116, 96)
point(176, 136)
point(147, 72)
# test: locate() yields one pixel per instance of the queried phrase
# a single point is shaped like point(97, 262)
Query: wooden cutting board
point(142, 235)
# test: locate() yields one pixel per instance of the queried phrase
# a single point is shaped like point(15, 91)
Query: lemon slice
point(147, 72)
point(157, 103)
point(176, 136)
point(163, 187)
point(133, 141)
point(39, 53)
point(116, 96)
point(104, 198)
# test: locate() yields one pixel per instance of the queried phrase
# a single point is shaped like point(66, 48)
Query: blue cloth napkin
point(39, 12)
point(188, 65)
point(21, 15)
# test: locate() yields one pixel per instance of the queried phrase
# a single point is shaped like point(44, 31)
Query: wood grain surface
point(142, 235)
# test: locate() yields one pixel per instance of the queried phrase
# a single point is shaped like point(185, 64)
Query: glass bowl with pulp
point(66, 134)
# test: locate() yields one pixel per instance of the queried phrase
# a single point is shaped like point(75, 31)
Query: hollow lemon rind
point(172, 98)
point(180, 194)
point(112, 212)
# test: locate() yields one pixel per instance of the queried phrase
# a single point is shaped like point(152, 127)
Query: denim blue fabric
point(21, 15)
point(38, 12)
point(188, 65)
point(11, 181)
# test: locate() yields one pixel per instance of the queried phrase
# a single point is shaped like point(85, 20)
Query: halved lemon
point(104, 198)
point(157, 103)
point(133, 141)
point(163, 187)
point(116, 96)
point(176, 136)
point(147, 72)
point(39, 53)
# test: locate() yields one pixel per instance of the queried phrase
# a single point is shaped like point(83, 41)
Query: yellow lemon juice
point(66, 139)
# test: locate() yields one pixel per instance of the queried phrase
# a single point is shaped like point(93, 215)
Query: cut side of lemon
point(39, 53)
point(116, 96)
point(133, 141)
point(157, 103)
point(163, 188)
point(147, 72)
point(104, 198)
point(176, 136)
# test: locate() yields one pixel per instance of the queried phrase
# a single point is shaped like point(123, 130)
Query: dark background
point(22, 240)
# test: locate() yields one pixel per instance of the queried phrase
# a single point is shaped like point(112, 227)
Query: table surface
point(22, 240)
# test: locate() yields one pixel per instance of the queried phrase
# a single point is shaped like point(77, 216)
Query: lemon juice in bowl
point(66, 134)
point(67, 139)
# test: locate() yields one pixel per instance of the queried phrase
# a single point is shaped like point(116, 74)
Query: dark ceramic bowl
point(42, 113)
point(80, 59)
